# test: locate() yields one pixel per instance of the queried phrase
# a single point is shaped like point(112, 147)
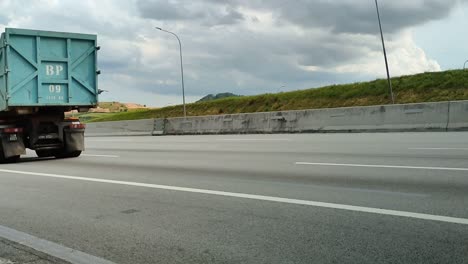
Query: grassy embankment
point(425, 87)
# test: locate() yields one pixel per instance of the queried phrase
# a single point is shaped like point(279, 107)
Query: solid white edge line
point(380, 166)
point(438, 148)
point(446, 219)
point(50, 248)
point(99, 155)
point(254, 139)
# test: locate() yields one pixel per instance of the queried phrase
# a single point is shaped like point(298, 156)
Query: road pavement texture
point(308, 198)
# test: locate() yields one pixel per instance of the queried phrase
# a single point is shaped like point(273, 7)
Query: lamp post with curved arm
point(464, 64)
point(181, 66)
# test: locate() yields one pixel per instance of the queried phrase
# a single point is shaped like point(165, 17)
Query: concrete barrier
point(458, 116)
point(221, 124)
point(409, 117)
point(144, 127)
point(439, 116)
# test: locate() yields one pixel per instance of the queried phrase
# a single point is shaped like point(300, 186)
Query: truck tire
point(72, 154)
point(46, 153)
point(13, 159)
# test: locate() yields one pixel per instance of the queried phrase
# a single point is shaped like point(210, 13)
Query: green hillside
point(425, 87)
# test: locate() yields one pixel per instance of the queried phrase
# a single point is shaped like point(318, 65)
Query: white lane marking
point(381, 166)
point(440, 218)
point(254, 139)
point(109, 140)
point(372, 191)
point(100, 155)
point(50, 248)
point(438, 148)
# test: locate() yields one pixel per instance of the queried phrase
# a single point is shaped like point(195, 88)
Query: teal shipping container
point(43, 69)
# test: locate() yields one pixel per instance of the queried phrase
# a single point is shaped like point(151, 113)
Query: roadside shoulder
point(14, 253)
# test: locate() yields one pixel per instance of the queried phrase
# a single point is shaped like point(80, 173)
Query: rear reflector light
point(13, 130)
point(71, 118)
point(77, 126)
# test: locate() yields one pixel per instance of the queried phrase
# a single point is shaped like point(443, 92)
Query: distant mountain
point(211, 97)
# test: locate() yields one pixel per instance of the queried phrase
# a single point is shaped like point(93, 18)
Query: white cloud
point(404, 57)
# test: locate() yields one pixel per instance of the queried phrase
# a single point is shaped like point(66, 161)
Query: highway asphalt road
point(308, 198)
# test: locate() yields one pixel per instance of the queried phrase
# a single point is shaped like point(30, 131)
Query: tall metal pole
point(385, 54)
point(464, 64)
point(181, 67)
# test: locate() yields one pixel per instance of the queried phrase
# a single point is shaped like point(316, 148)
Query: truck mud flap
point(12, 148)
point(74, 140)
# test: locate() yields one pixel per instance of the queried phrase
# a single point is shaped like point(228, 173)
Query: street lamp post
point(464, 64)
point(181, 67)
point(385, 54)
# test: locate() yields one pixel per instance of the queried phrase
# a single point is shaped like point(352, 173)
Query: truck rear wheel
point(13, 159)
point(46, 153)
point(71, 154)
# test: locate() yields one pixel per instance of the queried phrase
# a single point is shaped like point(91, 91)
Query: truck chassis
point(49, 134)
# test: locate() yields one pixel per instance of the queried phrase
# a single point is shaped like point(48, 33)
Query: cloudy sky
point(250, 46)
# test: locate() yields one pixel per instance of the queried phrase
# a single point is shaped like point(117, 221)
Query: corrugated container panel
point(43, 68)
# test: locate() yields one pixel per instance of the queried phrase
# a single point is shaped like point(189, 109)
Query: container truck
point(44, 74)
